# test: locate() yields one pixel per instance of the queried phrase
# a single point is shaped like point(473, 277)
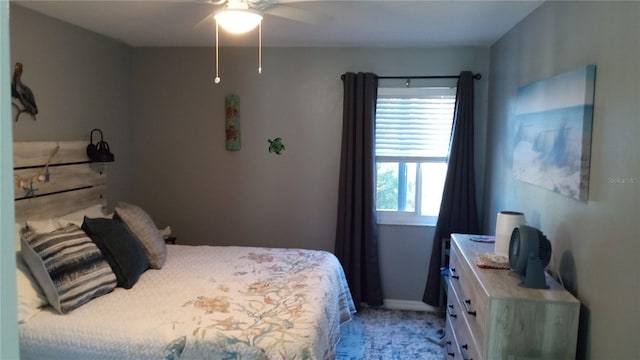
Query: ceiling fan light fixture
point(238, 21)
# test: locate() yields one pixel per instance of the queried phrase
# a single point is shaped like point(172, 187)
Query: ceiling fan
point(241, 16)
point(259, 8)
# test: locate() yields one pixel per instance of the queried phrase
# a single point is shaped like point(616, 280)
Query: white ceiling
point(340, 23)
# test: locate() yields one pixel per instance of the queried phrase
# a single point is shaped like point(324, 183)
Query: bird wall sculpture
point(24, 95)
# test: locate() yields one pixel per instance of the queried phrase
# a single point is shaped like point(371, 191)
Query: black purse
point(99, 152)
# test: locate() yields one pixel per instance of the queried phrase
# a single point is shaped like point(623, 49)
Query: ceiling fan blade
point(208, 18)
point(213, 2)
point(205, 20)
point(301, 1)
point(296, 14)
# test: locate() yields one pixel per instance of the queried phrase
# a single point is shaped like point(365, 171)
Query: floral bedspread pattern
point(227, 303)
point(271, 306)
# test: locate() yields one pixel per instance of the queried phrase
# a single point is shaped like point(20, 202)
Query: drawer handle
point(448, 349)
point(452, 273)
point(463, 352)
point(467, 307)
point(450, 311)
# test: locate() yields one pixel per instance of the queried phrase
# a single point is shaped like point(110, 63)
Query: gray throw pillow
point(145, 230)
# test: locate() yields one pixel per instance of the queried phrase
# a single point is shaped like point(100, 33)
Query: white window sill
point(402, 219)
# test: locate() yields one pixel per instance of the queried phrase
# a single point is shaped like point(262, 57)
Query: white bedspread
point(207, 303)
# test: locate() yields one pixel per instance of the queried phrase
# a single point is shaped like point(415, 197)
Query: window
point(413, 130)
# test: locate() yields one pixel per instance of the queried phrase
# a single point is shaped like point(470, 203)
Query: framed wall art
point(552, 142)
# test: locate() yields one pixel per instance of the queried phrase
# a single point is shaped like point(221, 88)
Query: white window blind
point(413, 122)
point(413, 130)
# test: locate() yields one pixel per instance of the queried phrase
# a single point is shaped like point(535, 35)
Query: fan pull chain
point(217, 79)
point(260, 48)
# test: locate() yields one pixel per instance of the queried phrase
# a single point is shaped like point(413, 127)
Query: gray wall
point(209, 195)
point(595, 243)
point(81, 81)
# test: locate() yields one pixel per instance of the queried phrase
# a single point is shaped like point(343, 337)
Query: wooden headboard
point(73, 182)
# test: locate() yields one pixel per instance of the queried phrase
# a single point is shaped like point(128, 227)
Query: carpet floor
point(380, 334)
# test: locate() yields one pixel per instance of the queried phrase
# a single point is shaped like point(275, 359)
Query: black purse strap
point(91, 135)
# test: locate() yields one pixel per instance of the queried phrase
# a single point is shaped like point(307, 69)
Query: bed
point(198, 302)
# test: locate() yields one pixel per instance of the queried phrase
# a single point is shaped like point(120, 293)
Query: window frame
point(400, 217)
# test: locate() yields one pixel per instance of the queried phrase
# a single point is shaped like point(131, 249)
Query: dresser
point(491, 317)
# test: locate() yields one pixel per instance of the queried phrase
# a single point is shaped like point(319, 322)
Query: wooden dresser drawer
point(473, 298)
point(451, 347)
point(454, 317)
point(494, 318)
point(466, 344)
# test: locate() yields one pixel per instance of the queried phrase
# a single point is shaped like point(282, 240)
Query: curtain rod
point(475, 76)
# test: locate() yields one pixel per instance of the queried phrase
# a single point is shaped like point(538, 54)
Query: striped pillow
point(69, 267)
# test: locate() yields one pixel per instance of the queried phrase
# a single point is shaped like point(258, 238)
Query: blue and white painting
point(552, 144)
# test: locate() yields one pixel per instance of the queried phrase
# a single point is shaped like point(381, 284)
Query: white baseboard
point(408, 305)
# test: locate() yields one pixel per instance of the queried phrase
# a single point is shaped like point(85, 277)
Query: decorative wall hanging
point(99, 152)
point(232, 122)
point(276, 146)
point(44, 177)
point(552, 143)
point(23, 94)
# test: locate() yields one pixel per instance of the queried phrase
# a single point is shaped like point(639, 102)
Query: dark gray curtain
point(458, 213)
point(357, 230)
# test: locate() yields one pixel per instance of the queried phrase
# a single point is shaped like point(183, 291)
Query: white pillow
point(16, 236)
point(30, 296)
point(77, 217)
point(42, 226)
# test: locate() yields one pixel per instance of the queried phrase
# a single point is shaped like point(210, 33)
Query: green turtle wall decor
point(232, 122)
point(276, 146)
